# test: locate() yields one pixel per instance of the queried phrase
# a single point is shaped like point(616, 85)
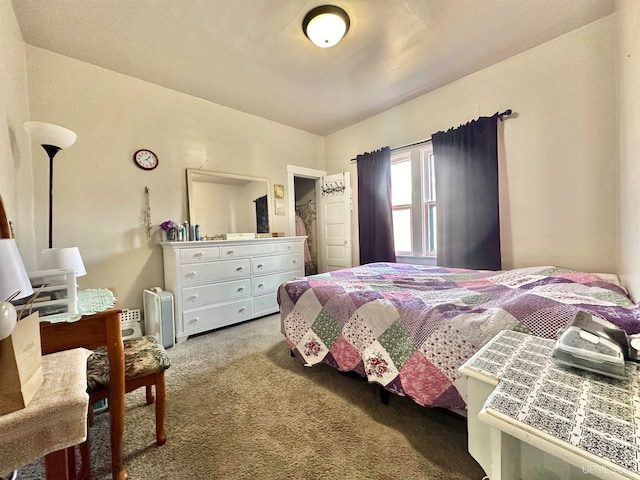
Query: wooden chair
point(145, 363)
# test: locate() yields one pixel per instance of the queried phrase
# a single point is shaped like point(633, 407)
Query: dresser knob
point(192, 274)
point(194, 320)
point(240, 268)
point(193, 297)
point(260, 285)
point(295, 262)
point(288, 247)
point(199, 254)
point(241, 289)
point(260, 265)
point(242, 309)
point(231, 252)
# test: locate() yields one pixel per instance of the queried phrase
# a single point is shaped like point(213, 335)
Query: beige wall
point(16, 171)
point(628, 68)
point(559, 172)
point(98, 190)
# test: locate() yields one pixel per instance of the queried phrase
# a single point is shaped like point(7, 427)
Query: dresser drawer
point(199, 272)
point(215, 316)
point(217, 292)
point(270, 283)
point(247, 250)
point(289, 247)
point(276, 263)
point(265, 304)
point(188, 255)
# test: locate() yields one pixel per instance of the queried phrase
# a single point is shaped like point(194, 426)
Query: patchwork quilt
point(410, 327)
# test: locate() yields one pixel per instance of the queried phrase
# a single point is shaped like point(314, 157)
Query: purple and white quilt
point(410, 327)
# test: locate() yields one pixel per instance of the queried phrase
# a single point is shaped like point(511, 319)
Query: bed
point(409, 328)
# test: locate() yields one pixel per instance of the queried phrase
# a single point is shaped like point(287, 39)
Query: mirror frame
point(190, 172)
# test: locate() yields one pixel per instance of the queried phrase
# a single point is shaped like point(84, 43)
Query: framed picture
point(278, 206)
point(278, 191)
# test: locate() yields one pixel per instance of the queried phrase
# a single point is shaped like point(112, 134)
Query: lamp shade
point(67, 258)
point(50, 134)
point(326, 25)
point(14, 281)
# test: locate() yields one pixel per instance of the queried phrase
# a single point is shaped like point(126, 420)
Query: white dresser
point(219, 283)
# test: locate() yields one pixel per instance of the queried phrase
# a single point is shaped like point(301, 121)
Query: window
point(413, 199)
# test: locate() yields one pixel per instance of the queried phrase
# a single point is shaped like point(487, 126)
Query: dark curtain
point(262, 215)
point(374, 207)
point(466, 169)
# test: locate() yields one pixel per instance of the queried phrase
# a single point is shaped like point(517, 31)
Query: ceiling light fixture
point(326, 25)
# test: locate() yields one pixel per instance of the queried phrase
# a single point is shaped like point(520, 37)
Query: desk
point(55, 419)
point(92, 331)
point(529, 418)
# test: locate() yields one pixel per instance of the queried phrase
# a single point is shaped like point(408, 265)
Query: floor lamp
point(53, 138)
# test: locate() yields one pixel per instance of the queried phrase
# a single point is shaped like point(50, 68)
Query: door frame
point(304, 172)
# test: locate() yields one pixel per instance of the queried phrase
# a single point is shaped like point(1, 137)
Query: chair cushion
point(142, 356)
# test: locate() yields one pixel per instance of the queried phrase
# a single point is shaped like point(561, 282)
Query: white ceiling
point(251, 55)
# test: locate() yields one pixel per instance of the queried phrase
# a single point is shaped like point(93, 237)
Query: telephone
point(591, 343)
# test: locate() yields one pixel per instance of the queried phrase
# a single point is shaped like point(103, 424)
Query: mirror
point(223, 203)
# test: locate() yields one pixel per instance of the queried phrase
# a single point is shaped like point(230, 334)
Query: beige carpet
point(238, 406)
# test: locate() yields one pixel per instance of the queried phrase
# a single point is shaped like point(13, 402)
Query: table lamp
point(67, 258)
point(14, 284)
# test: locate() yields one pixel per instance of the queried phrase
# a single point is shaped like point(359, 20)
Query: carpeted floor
point(239, 407)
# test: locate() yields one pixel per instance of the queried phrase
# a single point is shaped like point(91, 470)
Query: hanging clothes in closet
point(301, 230)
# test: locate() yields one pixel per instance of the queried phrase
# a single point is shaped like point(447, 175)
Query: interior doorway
point(303, 213)
point(326, 200)
point(306, 220)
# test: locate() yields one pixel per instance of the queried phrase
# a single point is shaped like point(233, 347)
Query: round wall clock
point(145, 159)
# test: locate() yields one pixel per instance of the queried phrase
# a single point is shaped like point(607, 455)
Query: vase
point(172, 235)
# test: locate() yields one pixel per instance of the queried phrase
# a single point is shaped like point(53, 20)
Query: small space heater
point(158, 315)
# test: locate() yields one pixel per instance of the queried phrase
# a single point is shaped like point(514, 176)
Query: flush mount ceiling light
point(326, 25)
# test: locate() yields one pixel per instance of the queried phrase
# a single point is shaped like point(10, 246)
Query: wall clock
point(145, 159)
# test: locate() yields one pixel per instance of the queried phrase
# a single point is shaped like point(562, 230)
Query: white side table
point(529, 418)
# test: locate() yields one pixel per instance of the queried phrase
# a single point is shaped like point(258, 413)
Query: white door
point(335, 221)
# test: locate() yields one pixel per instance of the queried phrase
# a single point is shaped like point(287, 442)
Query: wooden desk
point(54, 420)
point(92, 331)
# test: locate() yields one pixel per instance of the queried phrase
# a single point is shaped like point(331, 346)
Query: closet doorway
point(323, 205)
point(306, 220)
point(303, 201)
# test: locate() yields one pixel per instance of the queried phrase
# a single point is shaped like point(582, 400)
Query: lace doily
point(93, 300)
point(90, 301)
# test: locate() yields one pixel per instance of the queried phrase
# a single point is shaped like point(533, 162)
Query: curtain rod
point(506, 113)
point(411, 144)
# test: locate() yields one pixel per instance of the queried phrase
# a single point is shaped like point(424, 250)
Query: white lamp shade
point(50, 134)
point(64, 258)
point(13, 276)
